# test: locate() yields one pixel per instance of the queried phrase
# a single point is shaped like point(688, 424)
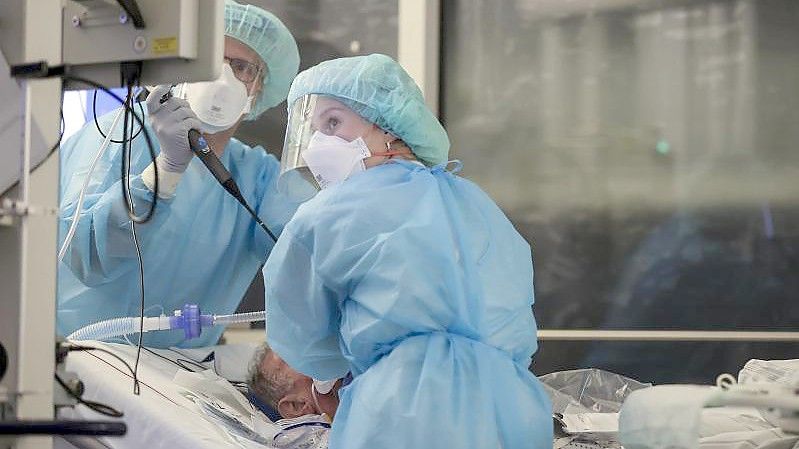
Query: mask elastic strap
point(250, 97)
point(250, 100)
point(315, 397)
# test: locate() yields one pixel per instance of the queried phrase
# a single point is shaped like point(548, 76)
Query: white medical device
point(779, 402)
point(171, 41)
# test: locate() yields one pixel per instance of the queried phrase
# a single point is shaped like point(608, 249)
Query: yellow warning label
point(165, 45)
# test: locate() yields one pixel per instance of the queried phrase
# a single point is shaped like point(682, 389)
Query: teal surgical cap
point(267, 36)
point(379, 89)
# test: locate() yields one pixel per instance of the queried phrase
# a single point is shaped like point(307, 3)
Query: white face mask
point(218, 104)
point(332, 159)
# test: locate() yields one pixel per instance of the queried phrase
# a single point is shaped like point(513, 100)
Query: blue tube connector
point(190, 320)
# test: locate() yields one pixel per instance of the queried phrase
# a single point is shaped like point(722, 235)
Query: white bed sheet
point(160, 416)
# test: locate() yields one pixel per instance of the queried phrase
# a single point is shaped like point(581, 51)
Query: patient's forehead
point(272, 363)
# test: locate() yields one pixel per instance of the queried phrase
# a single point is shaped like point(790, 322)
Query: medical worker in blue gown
point(201, 246)
point(401, 272)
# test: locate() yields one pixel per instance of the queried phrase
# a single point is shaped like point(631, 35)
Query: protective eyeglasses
point(244, 71)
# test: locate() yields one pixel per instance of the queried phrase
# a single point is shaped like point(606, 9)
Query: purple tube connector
point(191, 321)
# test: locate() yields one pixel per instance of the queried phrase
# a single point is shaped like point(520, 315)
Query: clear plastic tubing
point(248, 317)
point(189, 319)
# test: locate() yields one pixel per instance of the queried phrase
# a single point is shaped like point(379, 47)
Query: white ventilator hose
point(76, 215)
point(118, 327)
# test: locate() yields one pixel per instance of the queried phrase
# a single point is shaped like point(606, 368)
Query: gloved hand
point(171, 121)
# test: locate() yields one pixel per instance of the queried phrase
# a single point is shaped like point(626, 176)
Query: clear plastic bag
point(588, 390)
point(784, 372)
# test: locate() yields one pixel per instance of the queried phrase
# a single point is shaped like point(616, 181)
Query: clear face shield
point(296, 179)
point(326, 143)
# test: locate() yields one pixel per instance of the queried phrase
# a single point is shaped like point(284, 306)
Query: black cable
point(97, 122)
point(199, 363)
point(132, 10)
point(141, 321)
point(98, 407)
point(257, 219)
point(167, 359)
point(90, 348)
point(53, 148)
point(126, 152)
point(179, 362)
point(125, 167)
point(153, 389)
point(150, 147)
point(58, 142)
point(205, 153)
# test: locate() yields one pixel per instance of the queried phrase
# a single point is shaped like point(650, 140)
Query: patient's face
point(299, 400)
point(273, 363)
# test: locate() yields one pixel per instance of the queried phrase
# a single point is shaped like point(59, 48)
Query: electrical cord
point(98, 407)
point(211, 358)
point(116, 368)
point(53, 148)
point(180, 362)
point(126, 151)
point(74, 347)
point(61, 131)
point(57, 143)
point(97, 123)
point(150, 147)
point(257, 219)
point(203, 151)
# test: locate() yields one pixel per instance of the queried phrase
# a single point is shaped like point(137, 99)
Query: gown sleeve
point(102, 248)
point(302, 311)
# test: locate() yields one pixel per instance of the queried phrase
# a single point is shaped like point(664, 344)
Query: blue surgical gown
point(200, 247)
point(416, 281)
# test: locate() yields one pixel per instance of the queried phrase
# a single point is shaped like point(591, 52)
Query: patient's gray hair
point(271, 385)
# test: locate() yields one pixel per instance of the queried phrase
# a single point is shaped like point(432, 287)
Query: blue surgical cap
point(379, 90)
point(267, 36)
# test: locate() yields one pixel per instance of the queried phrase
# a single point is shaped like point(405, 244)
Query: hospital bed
point(166, 413)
